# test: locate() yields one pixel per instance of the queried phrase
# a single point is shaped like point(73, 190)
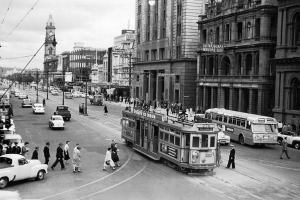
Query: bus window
point(172, 139)
point(195, 141)
point(248, 125)
point(177, 141)
point(166, 137)
point(234, 121)
point(238, 122)
point(212, 141)
point(225, 119)
point(243, 123)
point(230, 120)
point(262, 128)
point(204, 142)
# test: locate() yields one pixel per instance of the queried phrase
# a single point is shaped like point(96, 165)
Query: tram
point(186, 146)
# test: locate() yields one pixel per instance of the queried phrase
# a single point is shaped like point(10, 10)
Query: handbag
point(107, 162)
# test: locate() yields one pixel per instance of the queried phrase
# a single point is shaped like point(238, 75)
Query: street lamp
point(37, 86)
point(86, 82)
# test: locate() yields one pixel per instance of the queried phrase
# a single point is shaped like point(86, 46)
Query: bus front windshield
point(265, 128)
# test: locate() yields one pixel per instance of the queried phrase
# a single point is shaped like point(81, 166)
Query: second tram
point(188, 147)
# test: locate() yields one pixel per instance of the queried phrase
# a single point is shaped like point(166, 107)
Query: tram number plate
point(208, 155)
point(265, 137)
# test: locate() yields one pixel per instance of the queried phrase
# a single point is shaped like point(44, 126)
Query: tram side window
point(212, 141)
point(234, 121)
point(187, 140)
point(204, 142)
point(166, 137)
point(177, 141)
point(195, 142)
point(172, 139)
point(161, 135)
point(238, 122)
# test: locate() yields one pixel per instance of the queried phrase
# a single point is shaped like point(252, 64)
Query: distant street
point(259, 173)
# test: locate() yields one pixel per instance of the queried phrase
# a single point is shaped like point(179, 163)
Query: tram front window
point(204, 141)
point(196, 141)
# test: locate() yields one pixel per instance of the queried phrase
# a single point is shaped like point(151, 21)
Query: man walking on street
point(35, 154)
point(284, 148)
point(47, 153)
point(59, 157)
point(231, 158)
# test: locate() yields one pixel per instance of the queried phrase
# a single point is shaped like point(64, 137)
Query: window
point(248, 30)
point(178, 29)
point(146, 55)
point(257, 28)
point(295, 94)
point(161, 135)
point(204, 142)
point(225, 119)
point(137, 77)
point(240, 30)
point(243, 123)
point(227, 32)
point(204, 37)
point(166, 138)
point(172, 139)
point(212, 141)
point(177, 79)
point(238, 122)
point(154, 54)
point(211, 35)
point(178, 51)
point(195, 142)
point(177, 141)
point(187, 140)
point(217, 36)
point(162, 53)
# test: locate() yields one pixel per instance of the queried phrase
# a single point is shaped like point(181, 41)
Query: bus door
point(153, 139)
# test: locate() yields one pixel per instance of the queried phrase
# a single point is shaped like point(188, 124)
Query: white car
point(38, 108)
point(292, 138)
point(12, 138)
point(14, 167)
point(76, 94)
point(17, 93)
point(56, 121)
point(54, 92)
point(223, 139)
point(23, 96)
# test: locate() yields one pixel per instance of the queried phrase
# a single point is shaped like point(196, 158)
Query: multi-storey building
point(237, 40)
point(165, 50)
point(287, 93)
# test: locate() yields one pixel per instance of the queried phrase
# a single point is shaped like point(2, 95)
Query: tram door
point(137, 132)
point(153, 139)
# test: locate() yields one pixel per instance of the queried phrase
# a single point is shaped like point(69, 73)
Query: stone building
point(287, 93)
point(237, 40)
point(165, 64)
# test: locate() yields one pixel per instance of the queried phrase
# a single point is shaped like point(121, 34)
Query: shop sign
point(212, 48)
point(208, 84)
point(245, 85)
point(165, 74)
point(225, 84)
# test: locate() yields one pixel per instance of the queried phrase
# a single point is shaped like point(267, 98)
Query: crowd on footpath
point(63, 155)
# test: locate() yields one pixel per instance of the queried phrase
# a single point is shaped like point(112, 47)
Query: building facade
point(237, 40)
point(287, 93)
point(165, 64)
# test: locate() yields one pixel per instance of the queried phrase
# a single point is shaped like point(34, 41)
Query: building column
point(251, 101)
point(220, 98)
point(241, 100)
point(205, 98)
point(259, 101)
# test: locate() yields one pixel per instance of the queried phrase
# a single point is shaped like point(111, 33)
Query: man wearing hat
point(59, 157)
point(231, 157)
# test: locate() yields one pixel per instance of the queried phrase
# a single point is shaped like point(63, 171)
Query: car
point(293, 139)
point(76, 94)
point(17, 93)
point(38, 108)
point(63, 111)
point(23, 96)
point(14, 167)
point(54, 92)
point(56, 121)
point(26, 103)
point(68, 95)
point(97, 100)
point(12, 138)
point(223, 139)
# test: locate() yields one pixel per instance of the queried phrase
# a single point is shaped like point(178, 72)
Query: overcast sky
point(93, 22)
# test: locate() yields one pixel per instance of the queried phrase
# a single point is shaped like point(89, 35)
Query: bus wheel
point(296, 145)
point(241, 140)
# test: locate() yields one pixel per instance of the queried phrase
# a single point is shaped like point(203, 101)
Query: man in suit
point(47, 153)
point(231, 158)
point(284, 148)
point(59, 157)
point(35, 154)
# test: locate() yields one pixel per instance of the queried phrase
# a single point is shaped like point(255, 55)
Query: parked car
point(76, 94)
point(54, 92)
point(12, 138)
point(223, 139)
point(26, 103)
point(38, 108)
point(293, 139)
point(56, 121)
point(23, 96)
point(14, 167)
point(64, 112)
point(68, 95)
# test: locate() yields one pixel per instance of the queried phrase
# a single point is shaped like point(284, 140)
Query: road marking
point(82, 186)
point(115, 184)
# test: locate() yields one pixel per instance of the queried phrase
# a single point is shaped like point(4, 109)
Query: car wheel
point(63, 128)
point(241, 140)
point(279, 141)
point(3, 182)
point(296, 145)
point(40, 175)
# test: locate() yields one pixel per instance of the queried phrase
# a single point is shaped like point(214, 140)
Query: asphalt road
point(259, 173)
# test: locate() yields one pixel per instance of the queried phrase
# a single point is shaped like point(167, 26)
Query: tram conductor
point(231, 158)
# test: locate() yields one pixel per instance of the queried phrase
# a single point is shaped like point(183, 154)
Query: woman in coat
point(66, 152)
point(105, 109)
point(108, 161)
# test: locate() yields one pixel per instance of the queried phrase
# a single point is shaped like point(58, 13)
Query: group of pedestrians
point(111, 156)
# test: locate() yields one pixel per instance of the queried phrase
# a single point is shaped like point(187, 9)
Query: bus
point(243, 127)
point(185, 146)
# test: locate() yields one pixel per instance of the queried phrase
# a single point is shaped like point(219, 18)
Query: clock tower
point(50, 50)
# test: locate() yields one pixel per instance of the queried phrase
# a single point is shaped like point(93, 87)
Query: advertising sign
point(68, 76)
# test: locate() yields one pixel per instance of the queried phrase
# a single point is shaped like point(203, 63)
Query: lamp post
point(37, 85)
point(48, 81)
point(63, 88)
point(86, 75)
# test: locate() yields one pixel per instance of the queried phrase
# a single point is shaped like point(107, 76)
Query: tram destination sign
point(147, 114)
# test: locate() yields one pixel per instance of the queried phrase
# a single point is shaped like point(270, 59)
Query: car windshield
point(269, 128)
point(57, 118)
point(38, 105)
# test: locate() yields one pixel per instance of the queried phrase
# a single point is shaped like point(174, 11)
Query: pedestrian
point(59, 157)
point(218, 154)
point(167, 111)
point(289, 127)
point(80, 110)
point(44, 102)
point(231, 158)
point(114, 153)
point(76, 160)
point(284, 148)
point(284, 128)
point(35, 154)
point(9, 148)
point(25, 150)
point(105, 109)
point(108, 161)
point(66, 152)
point(46, 153)
point(16, 149)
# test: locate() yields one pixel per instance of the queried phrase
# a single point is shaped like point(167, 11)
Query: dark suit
point(59, 158)
point(231, 158)
point(46, 154)
point(35, 155)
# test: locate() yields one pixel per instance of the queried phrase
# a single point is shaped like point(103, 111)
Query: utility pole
point(37, 86)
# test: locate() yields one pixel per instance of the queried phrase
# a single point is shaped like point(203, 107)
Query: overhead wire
point(11, 58)
point(21, 20)
point(5, 14)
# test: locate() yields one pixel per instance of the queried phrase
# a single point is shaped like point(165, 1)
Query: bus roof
point(248, 116)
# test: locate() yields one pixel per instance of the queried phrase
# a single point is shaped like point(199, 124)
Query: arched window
point(217, 39)
point(50, 51)
point(295, 94)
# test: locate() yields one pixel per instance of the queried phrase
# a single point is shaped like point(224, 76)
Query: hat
point(232, 145)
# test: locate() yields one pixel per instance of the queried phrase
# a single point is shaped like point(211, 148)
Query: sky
point(92, 22)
